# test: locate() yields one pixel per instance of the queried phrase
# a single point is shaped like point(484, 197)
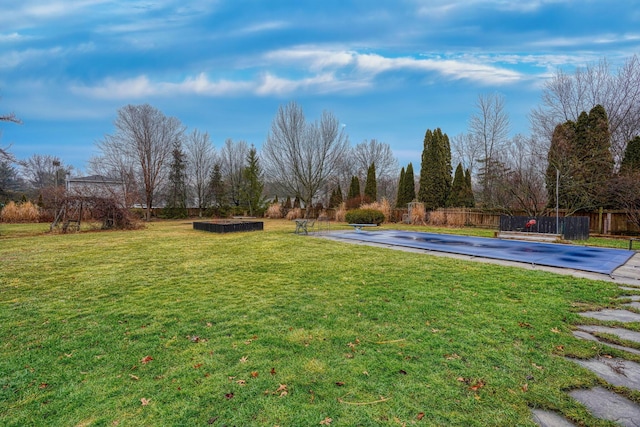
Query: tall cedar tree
point(581, 152)
point(458, 188)
point(409, 192)
point(400, 202)
point(252, 182)
point(469, 199)
point(435, 171)
point(631, 159)
point(336, 197)
point(354, 188)
point(177, 185)
point(370, 186)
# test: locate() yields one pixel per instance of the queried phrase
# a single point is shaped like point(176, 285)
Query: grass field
point(169, 326)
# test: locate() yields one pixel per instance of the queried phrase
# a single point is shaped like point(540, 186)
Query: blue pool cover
point(596, 260)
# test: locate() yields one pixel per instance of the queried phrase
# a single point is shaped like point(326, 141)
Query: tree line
point(581, 155)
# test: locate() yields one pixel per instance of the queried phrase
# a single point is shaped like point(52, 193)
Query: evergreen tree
point(469, 199)
point(252, 185)
point(400, 201)
point(354, 188)
point(435, 171)
point(409, 191)
point(176, 202)
point(631, 159)
point(336, 197)
point(458, 188)
point(370, 186)
point(580, 153)
point(217, 186)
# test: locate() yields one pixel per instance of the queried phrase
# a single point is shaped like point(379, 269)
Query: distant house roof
point(93, 179)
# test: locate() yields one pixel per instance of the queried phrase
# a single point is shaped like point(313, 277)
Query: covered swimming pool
point(585, 258)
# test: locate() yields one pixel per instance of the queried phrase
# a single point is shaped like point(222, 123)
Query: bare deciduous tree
point(43, 170)
point(144, 138)
point(233, 156)
point(565, 96)
point(489, 127)
point(301, 156)
point(201, 157)
point(4, 152)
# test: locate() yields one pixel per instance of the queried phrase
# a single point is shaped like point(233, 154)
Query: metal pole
point(557, 200)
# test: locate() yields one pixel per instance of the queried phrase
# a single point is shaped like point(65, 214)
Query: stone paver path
point(608, 405)
point(601, 402)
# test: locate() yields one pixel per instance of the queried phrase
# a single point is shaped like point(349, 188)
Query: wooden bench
point(358, 227)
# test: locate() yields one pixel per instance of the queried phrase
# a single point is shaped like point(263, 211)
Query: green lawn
point(171, 326)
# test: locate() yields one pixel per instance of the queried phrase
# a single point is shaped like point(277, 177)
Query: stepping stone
point(608, 405)
point(610, 314)
point(629, 288)
point(631, 297)
point(587, 336)
point(549, 419)
point(634, 304)
point(625, 334)
point(615, 371)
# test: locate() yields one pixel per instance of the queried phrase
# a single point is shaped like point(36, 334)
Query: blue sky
point(389, 70)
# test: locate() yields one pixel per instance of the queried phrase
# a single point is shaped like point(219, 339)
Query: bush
point(23, 212)
point(294, 213)
point(384, 206)
point(274, 211)
point(365, 216)
point(341, 212)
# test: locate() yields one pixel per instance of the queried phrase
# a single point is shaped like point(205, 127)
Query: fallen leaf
point(451, 356)
point(146, 359)
point(462, 380)
point(244, 359)
point(365, 373)
point(524, 324)
point(273, 371)
point(284, 393)
point(560, 347)
point(283, 387)
point(326, 421)
point(195, 338)
point(339, 383)
point(254, 374)
point(43, 385)
point(145, 401)
point(133, 377)
point(555, 330)
point(478, 385)
point(212, 420)
point(209, 324)
point(241, 382)
point(229, 395)
point(420, 416)
point(536, 366)
point(196, 366)
point(402, 371)
point(525, 387)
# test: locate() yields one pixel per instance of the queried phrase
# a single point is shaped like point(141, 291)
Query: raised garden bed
point(228, 226)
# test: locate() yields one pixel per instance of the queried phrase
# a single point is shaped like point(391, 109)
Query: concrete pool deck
point(626, 273)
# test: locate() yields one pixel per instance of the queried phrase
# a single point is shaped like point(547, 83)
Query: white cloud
point(143, 87)
point(9, 38)
point(370, 64)
point(15, 58)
